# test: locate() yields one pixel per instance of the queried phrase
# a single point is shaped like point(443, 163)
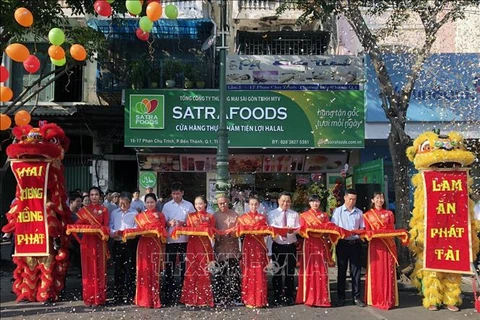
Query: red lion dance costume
point(39, 213)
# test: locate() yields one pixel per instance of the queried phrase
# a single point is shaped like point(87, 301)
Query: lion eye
point(54, 140)
point(425, 146)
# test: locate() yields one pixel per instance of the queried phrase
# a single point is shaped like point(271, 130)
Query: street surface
point(71, 306)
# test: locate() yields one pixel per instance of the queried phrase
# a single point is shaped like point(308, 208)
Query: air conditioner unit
point(290, 27)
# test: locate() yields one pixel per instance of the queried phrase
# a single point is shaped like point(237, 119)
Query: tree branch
point(19, 101)
point(369, 42)
point(431, 29)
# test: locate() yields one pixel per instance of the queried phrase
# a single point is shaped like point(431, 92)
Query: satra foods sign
point(256, 119)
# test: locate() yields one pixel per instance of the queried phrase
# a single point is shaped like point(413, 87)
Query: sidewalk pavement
point(71, 306)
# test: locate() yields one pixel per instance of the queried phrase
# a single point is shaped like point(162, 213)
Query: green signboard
point(147, 179)
point(369, 172)
point(258, 119)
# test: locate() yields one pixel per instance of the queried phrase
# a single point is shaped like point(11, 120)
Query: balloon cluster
point(20, 53)
point(22, 117)
point(153, 12)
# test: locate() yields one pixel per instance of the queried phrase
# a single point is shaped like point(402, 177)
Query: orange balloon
point(56, 52)
point(17, 52)
point(6, 94)
point(22, 118)
point(78, 52)
point(154, 11)
point(24, 17)
point(5, 122)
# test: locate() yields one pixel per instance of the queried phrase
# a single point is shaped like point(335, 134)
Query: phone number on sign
point(290, 142)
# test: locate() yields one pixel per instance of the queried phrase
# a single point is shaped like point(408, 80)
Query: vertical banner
point(31, 231)
point(447, 221)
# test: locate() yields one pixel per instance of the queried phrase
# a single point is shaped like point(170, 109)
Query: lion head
point(47, 141)
point(432, 150)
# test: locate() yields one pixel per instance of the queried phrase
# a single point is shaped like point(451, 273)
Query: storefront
point(445, 97)
point(277, 139)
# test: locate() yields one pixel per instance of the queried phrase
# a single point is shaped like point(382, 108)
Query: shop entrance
point(193, 182)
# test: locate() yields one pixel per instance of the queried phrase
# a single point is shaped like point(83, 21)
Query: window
point(283, 43)
point(67, 88)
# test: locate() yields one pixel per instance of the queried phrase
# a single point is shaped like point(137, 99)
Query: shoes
point(237, 303)
point(340, 303)
point(289, 302)
point(453, 308)
point(359, 303)
point(433, 308)
point(277, 303)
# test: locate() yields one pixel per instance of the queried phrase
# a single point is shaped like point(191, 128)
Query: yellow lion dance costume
point(429, 151)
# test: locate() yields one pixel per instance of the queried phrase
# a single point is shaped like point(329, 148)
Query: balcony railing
point(118, 75)
point(256, 9)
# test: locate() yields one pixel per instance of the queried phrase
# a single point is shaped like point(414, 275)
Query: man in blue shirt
point(349, 249)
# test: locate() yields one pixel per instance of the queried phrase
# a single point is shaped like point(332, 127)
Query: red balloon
point(142, 35)
point(32, 64)
point(103, 8)
point(3, 74)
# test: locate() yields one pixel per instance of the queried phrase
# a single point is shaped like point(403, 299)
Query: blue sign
point(447, 89)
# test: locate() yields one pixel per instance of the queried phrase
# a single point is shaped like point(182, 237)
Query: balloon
point(56, 52)
point(17, 52)
point(103, 8)
point(78, 52)
point(142, 35)
point(58, 63)
point(5, 122)
point(134, 6)
point(3, 74)
point(110, 1)
point(146, 24)
point(6, 94)
point(22, 118)
point(24, 17)
point(32, 64)
point(56, 36)
point(171, 11)
point(154, 11)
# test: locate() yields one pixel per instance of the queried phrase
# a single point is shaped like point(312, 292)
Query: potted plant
point(154, 78)
point(190, 75)
point(171, 68)
point(201, 70)
point(136, 73)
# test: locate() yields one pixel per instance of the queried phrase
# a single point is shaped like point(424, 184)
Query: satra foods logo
point(147, 111)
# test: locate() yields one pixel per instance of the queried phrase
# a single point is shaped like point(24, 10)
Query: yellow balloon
point(5, 122)
point(56, 52)
point(78, 52)
point(24, 17)
point(22, 118)
point(17, 52)
point(6, 94)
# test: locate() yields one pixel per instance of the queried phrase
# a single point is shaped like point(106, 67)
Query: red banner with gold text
point(447, 222)
point(31, 231)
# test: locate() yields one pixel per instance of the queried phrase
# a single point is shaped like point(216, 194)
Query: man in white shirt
point(349, 250)
point(283, 250)
point(148, 190)
point(124, 254)
point(175, 212)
